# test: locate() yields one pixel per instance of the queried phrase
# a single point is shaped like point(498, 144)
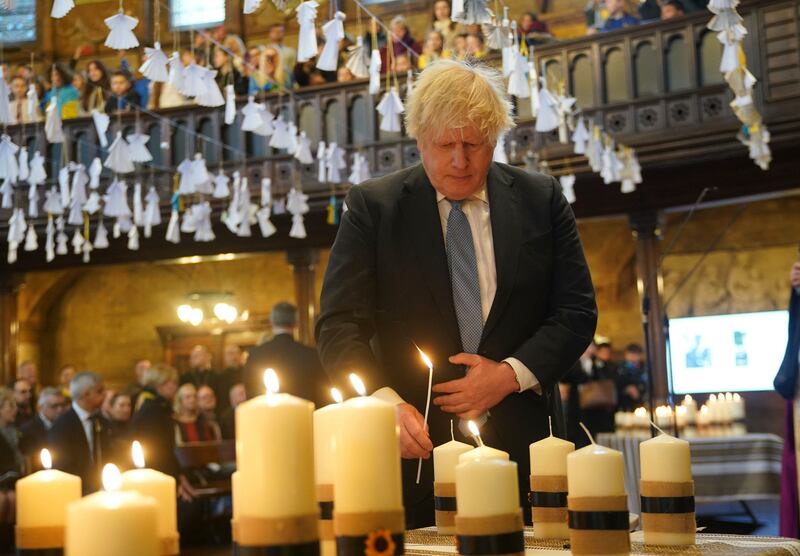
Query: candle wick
point(480, 441)
point(452, 434)
point(657, 427)
point(591, 438)
point(550, 423)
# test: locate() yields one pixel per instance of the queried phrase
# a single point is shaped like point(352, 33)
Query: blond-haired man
point(476, 262)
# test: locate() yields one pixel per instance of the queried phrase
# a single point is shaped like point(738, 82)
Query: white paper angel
point(230, 105)
point(116, 204)
point(75, 216)
point(266, 191)
point(757, 139)
point(359, 171)
point(63, 185)
point(33, 201)
point(509, 51)
point(120, 36)
point(358, 59)
point(61, 237)
point(611, 164)
point(9, 165)
point(565, 106)
point(251, 113)
point(210, 95)
point(95, 170)
point(292, 138)
point(567, 182)
point(201, 179)
point(24, 165)
point(50, 241)
point(100, 236)
point(33, 103)
point(547, 119)
point(101, 122)
point(730, 52)
point(303, 151)
point(61, 8)
point(221, 189)
point(244, 210)
point(188, 224)
point(266, 128)
point(297, 206)
point(119, 156)
point(77, 242)
point(7, 190)
point(265, 225)
point(154, 67)
point(92, 204)
point(6, 117)
point(138, 206)
point(307, 38)
point(580, 136)
point(322, 156)
point(53, 128)
point(133, 239)
point(173, 234)
point(500, 150)
point(152, 211)
point(280, 135)
point(518, 84)
point(630, 173)
point(375, 72)
point(52, 202)
point(202, 215)
point(137, 143)
point(390, 108)
point(186, 181)
point(193, 80)
point(335, 162)
point(175, 75)
point(79, 181)
point(333, 31)
point(31, 240)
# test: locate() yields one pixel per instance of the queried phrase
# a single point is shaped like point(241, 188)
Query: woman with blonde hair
point(270, 73)
point(190, 425)
point(12, 462)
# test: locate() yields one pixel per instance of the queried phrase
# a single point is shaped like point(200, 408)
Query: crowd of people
point(603, 16)
point(85, 424)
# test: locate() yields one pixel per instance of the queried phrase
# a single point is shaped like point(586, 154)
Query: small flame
point(737, 398)
point(473, 428)
point(358, 384)
point(425, 358)
point(271, 381)
point(47, 459)
point(336, 395)
point(712, 398)
point(112, 478)
point(138, 454)
point(687, 399)
point(704, 409)
point(640, 411)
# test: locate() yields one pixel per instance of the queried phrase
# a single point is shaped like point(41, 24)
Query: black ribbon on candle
point(326, 510)
point(505, 543)
point(300, 549)
point(40, 552)
point(599, 521)
point(445, 503)
point(667, 504)
point(539, 499)
point(358, 545)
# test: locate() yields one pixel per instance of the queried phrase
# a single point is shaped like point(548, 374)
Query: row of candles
point(722, 414)
point(332, 476)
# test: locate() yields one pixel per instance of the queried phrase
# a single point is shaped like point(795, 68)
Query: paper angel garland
point(359, 172)
point(77, 242)
point(471, 11)
point(138, 151)
point(119, 156)
point(322, 156)
point(201, 179)
point(9, 165)
point(303, 151)
point(297, 206)
point(173, 234)
point(221, 189)
point(101, 121)
point(193, 80)
point(201, 213)
point(154, 67)
point(307, 39)
point(61, 8)
point(500, 150)
point(117, 200)
point(335, 162)
point(186, 181)
point(133, 239)
point(265, 225)
point(547, 119)
point(53, 129)
point(7, 190)
point(50, 241)
point(611, 164)
point(63, 185)
point(100, 236)
point(120, 36)
point(175, 75)
point(33, 103)
point(568, 186)
point(152, 211)
point(630, 173)
point(518, 84)
point(390, 108)
point(95, 170)
point(6, 117)
point(375, 72)
point(280, 135)
point(230, 105)
point(358, 59)
point(580, 136)
point(52, 202)
point(333, 31)
point(31, 240)
point(757, 139)
point(61, 238)
point(210, 95)
point(92, 204)
point(138, 208)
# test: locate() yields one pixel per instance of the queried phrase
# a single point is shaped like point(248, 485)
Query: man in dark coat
point(476, 262)
point(298, 367)
point(33, 434)
point(81, 439)
point(786, 380)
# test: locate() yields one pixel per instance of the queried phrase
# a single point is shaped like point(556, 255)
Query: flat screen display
point(18, 25)
point(727, 353)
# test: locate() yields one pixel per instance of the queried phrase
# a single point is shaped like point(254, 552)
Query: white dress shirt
point(88, 425)
point(476, 209)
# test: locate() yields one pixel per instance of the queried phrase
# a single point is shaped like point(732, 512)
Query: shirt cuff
point(388, 395)
point(526, 379)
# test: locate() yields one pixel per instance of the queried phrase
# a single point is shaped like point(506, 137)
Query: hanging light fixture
point(209, 303)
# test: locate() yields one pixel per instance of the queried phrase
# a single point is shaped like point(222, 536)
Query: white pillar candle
point(667, 473)
point(236, 502)
point(445, 458)
point(324, 467)
point(161, 487)
point(595, 471)
point(487, 487)
point(122, 523)
point(484, 452)
point(548, 459)
point(274, 433)
point(42, 500)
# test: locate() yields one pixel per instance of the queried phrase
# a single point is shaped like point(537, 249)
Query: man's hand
point(185, 490)
point(794, 275)
point(487, 383)
point(632, 391)
point(414, 439)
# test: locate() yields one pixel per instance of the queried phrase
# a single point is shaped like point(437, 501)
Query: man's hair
point(284, 314)
point(634, 348)
point(120, 73)
point(82, 383)
point(158, 374)
point(602, 345)
point(18, 381)
point(46, 394)
point(20, 78)
point(676, 3)
point(450, 94)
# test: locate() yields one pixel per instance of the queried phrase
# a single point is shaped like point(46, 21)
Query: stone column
point(304, 264)
point(649, 283)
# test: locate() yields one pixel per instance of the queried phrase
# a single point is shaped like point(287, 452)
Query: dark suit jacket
point(387, 287)
point(70, 449)
point(298, 367)
point(33, 437)
point(786, 379)
point(154, 427)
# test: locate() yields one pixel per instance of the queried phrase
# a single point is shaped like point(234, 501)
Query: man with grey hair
point(51, 406)
point(298, 366)
point(81, 438)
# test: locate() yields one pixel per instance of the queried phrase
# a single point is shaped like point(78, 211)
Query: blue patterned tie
point(463, 265)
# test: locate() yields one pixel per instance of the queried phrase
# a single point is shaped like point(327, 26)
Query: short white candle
point(487, 487)
point(112, 522)
point(445, 458)
point(595, 471)
point(548, 458)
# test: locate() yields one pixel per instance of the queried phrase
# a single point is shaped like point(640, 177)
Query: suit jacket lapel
point(420, 217)
point(506, 236)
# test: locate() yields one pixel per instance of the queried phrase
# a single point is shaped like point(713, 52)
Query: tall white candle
point(445, 458)
point(112, 522)
point(42, 500)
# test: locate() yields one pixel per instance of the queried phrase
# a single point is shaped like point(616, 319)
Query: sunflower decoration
point(379, 543)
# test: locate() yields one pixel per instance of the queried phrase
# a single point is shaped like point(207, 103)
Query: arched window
point(180, 144)
point(308, 122)
point(207, 141)
point(646, 70)
point(334, 123)
point(581, 80)
point(710, 56)
point(154, 143)
point(359, 127)
point(83, 149)
point(677, 62)
point(616, 81)
point(553, 74)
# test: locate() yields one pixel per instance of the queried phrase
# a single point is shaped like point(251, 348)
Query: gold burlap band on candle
point(495, 535)
point(325, 499)
point(444, 501)
point(668, 507)
point(599, 525)
point(548, 498)
point(260, 531)
point(235, 530)
point(170, 545)
point(39, 537)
